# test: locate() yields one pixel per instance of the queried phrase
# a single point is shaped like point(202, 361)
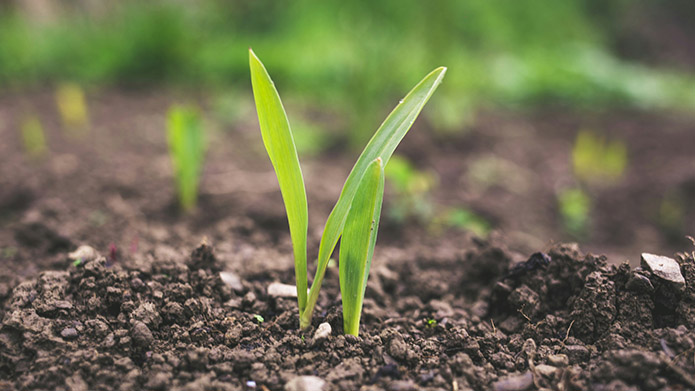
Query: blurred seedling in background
point(72, 107)
point(671, 213)
point(465, 219)
point(187, 150)
point(355, 216)
point(412, 201)
point(33, 137)
point(412, 188)
point(575, 208)
point(596, 160)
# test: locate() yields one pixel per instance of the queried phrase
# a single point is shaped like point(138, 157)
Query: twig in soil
point(455, 385)
point(567, 334)
point(494, 330)
point(521, 311)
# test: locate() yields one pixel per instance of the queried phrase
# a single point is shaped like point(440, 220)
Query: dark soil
point(442, 311)
point(455, 319)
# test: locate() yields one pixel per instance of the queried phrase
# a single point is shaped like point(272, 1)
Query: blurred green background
point(348, 56)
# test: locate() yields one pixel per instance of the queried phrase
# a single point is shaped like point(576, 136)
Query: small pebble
point(277, 289)
point(663, 267)
point(323, 331)
point(518, 382)
point(233, 280)
point(69, 333)
point(84, 253)
point(305, 383)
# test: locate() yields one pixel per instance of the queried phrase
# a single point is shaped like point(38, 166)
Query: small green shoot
point(33, 137)
point(431, 323)
point(258, 318)
point(72, 107)
point(187, 151)
point(412, 188)
point(596, 160)
point(357, 210)
point(77, 262)
point(575, 207)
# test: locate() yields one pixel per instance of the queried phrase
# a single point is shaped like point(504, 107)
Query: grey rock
point(663, 267)
point(69, 333)
point(519, 382)
point(305, 383)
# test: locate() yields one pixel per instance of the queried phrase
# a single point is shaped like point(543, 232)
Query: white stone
point(305, 383)
point(233, 280)
point(277, 289)
point(84, 253)
point(323, 331)
point(663, 267)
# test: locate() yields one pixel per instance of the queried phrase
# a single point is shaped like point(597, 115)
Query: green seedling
point(33, 137)
point(72, 107)
point(575, 206)
point(355, 215)
point(412, 188)
point(187, 151)
point(596, 160)
point(467, 220)
point(258, 318)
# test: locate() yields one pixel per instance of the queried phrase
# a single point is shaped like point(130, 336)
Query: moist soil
point(456, 319)
point(147, 309)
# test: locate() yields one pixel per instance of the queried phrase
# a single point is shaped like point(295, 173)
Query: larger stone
point(663, 267)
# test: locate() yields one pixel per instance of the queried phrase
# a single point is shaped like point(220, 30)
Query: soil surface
point(148, 309)
point(446, 319)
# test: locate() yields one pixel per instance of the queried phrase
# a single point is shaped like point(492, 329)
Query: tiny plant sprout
point(72, 107)
point(187, 151)
point(355, 216)
point(33, 137)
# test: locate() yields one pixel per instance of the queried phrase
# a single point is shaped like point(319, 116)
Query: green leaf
point(382, 145)
point(187, 151)
point(278, 141)
point(357, 244)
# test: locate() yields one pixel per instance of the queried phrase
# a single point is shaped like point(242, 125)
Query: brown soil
point(442, 311)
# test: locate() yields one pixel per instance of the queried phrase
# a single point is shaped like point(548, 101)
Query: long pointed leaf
point(278, 141)
point(382, 145)
point(357, 244)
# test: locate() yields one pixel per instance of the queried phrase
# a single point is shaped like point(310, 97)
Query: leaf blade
point(382, 145)
point(279, 143)
point(357, 244)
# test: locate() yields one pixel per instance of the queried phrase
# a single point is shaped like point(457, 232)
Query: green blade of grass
point(382, 145)
point(357, 244)
point(187, 150)
point(278, 141)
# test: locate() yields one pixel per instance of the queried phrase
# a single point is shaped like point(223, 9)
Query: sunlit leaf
point(382, 145)
point(357, 244)
point(279, 143)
